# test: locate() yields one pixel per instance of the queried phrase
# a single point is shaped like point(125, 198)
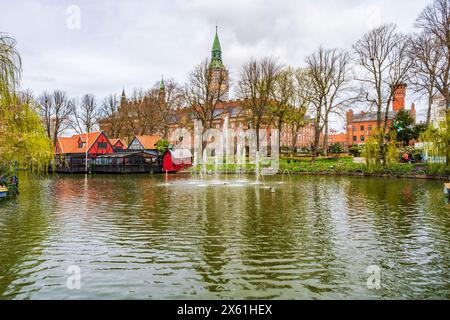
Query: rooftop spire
point(161, 83)
point(216, 52)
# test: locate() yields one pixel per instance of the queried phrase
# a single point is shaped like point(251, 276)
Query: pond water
point(311, 237)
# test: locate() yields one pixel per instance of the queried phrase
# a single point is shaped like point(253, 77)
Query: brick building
point(361, 125)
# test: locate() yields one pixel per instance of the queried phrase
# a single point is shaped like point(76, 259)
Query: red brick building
point(361, 125)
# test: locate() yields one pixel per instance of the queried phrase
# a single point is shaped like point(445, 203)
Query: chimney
point(349, 116)
point(398, 102)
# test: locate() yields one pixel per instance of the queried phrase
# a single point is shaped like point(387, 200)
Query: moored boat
point(3, 192)
point(447, 189)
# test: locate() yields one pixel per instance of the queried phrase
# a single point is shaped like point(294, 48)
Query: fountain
point(225, 143)
point(225, 148)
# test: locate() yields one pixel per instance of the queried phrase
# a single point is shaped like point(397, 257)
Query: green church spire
point(161, 83)
point(216, 53)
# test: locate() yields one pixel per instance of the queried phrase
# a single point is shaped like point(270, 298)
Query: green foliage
point(418, 130)
point(438, 169)
point(392, 152)
point(336, 148)
point(371, 152)
point(336, 166)
point(23, 141)
point(162, 145)
point(436, 140)
point(355, 150)
point(10, 67)
point(403, 127)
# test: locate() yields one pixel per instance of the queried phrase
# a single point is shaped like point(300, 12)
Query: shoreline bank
point(349, 174)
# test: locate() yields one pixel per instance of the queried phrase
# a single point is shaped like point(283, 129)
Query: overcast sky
point(127, 44)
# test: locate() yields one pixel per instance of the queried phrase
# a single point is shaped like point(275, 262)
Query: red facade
point(170, 166)
point(100, 146)
point(96, 142)
point(119, 145)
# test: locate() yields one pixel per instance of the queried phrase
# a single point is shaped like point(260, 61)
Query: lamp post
point(87, 145)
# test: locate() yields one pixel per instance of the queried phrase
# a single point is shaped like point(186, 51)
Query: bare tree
point(296, 115)
point(27, 97)
point(426, 55)
point(150, 119)
point(169, 104)
point(283, 98)
point(382, 57)
point(133, 113)
point(112, 119)
point(256, 86)
point(329, 76)
point(45, 102)
point(141, 113)
point(434, 21)
point(84, 116)
point(57, 113)
point(204, 89)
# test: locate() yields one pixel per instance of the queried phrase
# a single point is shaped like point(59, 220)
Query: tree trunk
point(280, 124)
point(430, 104)
point(325, 135)
point(447, 116)
point(316, 141)
point(294, 139)
point(257, 126)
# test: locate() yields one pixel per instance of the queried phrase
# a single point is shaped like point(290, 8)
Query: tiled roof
point(148, 142)
point(114, 141)
point(67, 144)
point(70, 144)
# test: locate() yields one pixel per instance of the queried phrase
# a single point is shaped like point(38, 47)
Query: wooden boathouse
point(95, 153)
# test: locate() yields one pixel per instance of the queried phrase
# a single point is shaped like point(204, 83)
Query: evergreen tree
point(403, 126)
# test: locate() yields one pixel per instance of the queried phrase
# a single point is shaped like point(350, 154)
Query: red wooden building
point(72, 150)
point(118, 144)
point(176, 160)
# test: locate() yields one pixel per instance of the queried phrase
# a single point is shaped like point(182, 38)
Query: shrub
point(336, 148)
point(355, 150)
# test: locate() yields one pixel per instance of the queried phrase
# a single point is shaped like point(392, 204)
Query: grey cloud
point(131, 43)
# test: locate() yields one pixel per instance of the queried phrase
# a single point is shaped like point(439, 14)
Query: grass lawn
point(333, 165)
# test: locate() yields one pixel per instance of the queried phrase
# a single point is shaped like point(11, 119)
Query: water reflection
point(23, 231)
point(137, 237)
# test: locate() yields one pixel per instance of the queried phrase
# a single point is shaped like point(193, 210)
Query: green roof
point(216, 43)
point(161, 83)
point(216, 53)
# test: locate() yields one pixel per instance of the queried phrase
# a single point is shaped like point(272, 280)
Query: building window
point(102, 145)
point(361, 138)
point(354, 138)
point(370, 127)
point(354, 128)
point(362, 128)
